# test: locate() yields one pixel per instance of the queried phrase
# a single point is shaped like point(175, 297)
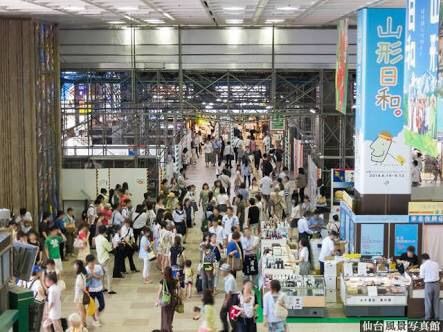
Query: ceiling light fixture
point(313, 110)
point(288, 8)
point(75, 8)
point(128, 8)
point(116, 22)
point(233, 8)
point(234, 21)
point(154, 21)
point(274, 20)
point(169, 16)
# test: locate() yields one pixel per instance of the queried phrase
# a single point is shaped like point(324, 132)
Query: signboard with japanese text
point(341, 67)
point(381, 155)
point(425, 208)
point(277, 121)
point(421, 68)
point(405, 235)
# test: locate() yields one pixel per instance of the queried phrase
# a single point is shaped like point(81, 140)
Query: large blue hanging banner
point(381, 154)
point(421, 68)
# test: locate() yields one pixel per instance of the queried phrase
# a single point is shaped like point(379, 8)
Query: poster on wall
point(381, 154)
point(341, 67)
point(405, 235)
point(372, 239)
point(420, 81)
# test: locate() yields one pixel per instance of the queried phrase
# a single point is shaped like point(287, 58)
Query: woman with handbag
point(128, 239)
point(248, 304)
point(167, 297)
point(80, 294)
point(234, 252)
point(275, 309)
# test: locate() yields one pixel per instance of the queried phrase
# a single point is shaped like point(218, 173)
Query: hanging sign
point(421, 67)
point(341, 67)
point(381, 155)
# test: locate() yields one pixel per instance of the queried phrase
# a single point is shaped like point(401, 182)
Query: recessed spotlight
point(274, 20)
point(116, 22)
point(234, 21)
point(233, 8)
point(288, 8)
point(154, 21)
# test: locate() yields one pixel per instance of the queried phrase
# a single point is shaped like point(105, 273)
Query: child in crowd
point(52, 248)
point(189, 277)
point(75, 323)
point(94, 280)
point(54, 305)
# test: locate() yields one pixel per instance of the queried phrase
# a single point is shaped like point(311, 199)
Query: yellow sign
point(425, 208)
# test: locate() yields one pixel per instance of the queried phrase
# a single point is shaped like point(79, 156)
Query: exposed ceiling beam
point(51, 7)
point(306, 12)
point(158, 10)
point(352, 12)
point(109, 9)
point(209, 11)
point(259, 10)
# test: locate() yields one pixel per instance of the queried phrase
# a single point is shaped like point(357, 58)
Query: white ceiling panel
point(191, 12)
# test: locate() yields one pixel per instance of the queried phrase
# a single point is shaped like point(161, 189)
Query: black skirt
point(181, 228)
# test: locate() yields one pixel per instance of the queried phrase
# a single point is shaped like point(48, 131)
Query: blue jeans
point(100, 298)
point(276, 327)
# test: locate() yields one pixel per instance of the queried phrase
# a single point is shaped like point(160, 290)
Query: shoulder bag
point(280, 310)
point(165, 295)
point(236, 262)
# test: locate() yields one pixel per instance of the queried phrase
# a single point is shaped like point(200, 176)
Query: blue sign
point(421, 67)
point(372, 240)
point(381, 155)
point(405, 235)
point(426, 219)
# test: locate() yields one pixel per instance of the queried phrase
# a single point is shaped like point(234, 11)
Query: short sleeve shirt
point(53, 245)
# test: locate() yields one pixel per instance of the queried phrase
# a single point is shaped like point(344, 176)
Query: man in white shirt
point(265, 190)
point(270, 300)
point(91, 214)
point(430, 273)
point(103, 248)
point(217, 230)
point(327, 249)
point(303, 226)
point(267, 143)
point(228, 221)
point(54, 303)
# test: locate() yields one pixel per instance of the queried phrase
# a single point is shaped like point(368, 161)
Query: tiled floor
point(132, 308)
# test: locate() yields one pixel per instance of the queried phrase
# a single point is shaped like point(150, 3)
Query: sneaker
point(112, 292)
point(96, 323)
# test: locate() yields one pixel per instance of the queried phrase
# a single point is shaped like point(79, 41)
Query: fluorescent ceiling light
point(128, 8)
point(268, 107)
point(169, 16)
point(234, 21)
point(288, 8)
point(75, 8)
point(274, 20)
point(116, 22)
point(233, 8)
point(154, 21)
